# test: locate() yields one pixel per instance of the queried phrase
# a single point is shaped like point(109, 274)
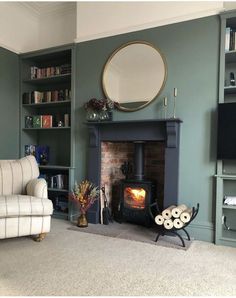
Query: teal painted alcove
point(9, 102)
point(192, 52)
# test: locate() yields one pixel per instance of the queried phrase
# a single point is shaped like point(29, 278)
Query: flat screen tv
point(226, 141)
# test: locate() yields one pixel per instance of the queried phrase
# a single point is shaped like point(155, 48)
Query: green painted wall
point(9, 103)
point(192, 52)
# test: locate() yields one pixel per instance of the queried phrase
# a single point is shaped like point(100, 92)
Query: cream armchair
point(24, 205)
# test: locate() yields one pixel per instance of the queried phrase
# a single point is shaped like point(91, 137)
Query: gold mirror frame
point(111, 57)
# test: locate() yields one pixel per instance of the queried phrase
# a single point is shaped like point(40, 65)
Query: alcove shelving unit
point(51, 71)
point(225, 226)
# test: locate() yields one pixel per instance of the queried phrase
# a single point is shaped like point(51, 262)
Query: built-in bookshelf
point(225, 225)
point(47, 119)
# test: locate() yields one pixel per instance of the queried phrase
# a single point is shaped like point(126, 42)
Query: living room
point(56, 72)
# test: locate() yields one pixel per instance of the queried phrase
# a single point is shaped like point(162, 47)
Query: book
point(37, 121)
point(26, 98)
point(46, 121)
point(42, 154)
point(227, 39)
point(28, 121)
point(33, 72)
point(66, 120)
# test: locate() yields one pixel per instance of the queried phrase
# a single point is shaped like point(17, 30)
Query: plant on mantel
point(99, 109)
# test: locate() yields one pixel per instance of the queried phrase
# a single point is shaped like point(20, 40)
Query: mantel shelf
point(177, 120)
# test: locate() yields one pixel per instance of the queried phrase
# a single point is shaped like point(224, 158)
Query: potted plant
point(84, 194)
point(99, 109)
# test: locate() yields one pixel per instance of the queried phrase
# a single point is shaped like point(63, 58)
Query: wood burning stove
point(137, 193)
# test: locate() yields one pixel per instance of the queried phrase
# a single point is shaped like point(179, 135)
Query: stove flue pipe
point(139, 160)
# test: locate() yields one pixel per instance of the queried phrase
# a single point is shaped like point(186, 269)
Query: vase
point(92, 115)
point(105, 115)
point(82, 221)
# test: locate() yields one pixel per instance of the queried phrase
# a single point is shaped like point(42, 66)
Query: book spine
point(227, 39)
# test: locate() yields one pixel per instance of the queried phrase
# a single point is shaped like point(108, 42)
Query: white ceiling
point(45, 8)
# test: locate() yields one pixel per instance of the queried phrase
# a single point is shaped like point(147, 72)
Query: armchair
point(24, 205)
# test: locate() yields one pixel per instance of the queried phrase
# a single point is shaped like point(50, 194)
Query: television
point(226, 136)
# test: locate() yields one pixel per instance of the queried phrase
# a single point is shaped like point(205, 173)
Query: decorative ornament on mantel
point(84, 194)
point(99, 109)
point(175, 95)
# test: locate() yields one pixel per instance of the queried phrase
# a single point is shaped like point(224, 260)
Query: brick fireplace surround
point(110, 144)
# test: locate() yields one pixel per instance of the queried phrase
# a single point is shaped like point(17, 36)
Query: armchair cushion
point(37, 188)
point(15, 174)
point(23, 205)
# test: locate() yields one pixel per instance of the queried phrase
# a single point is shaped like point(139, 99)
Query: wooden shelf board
point(230, 56)
point(48, 104)
point(230, 89)
point(57, 189)
point(226, 176)
point(55, 167)
point(50, 128)
point(233, 207)
point(57, 78)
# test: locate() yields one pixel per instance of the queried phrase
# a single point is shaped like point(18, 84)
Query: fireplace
point(166, 132)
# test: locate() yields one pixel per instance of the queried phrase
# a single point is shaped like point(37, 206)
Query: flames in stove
point(134, 197)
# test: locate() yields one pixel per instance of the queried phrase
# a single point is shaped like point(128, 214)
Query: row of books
point(46, 96)
point(46, 121)
point(41, 153)
point(38, 73)
point(59, 181)
point(230, 36)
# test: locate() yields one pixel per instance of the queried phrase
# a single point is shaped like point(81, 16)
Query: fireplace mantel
point(167, 130)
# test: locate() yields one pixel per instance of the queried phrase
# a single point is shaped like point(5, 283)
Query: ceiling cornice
point(45, 9)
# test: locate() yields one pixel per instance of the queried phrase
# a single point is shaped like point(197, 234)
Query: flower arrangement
point(98, 105)
point(84, 194)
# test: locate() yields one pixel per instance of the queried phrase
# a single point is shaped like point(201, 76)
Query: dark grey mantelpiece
point(167, 130)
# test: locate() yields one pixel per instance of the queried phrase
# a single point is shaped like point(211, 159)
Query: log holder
point(163, 231)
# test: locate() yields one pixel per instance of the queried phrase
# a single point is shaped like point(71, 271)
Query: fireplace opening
point(131, 194)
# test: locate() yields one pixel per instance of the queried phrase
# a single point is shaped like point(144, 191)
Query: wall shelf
point(60, 139)
point(232, 207)
point(230, 89)
point(48, 104)
point(57, 190)
point(52, 79)
point(226, 182)
point(50, 128)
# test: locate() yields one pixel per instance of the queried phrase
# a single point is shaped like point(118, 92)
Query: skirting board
point(202, 231)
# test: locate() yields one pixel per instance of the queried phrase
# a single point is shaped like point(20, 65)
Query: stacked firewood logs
point(174, 217)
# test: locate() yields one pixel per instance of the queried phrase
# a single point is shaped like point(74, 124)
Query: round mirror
point(134, 75)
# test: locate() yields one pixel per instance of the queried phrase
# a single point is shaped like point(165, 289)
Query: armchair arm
point(37, 188)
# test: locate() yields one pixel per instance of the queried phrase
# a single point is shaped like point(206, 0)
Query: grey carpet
point(74, 263)
point(133, 232)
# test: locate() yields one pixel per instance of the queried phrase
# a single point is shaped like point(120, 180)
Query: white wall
point(24, 27)
point(101, 19)
point(18, 28)
point(57, 29)
point(27, 26)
